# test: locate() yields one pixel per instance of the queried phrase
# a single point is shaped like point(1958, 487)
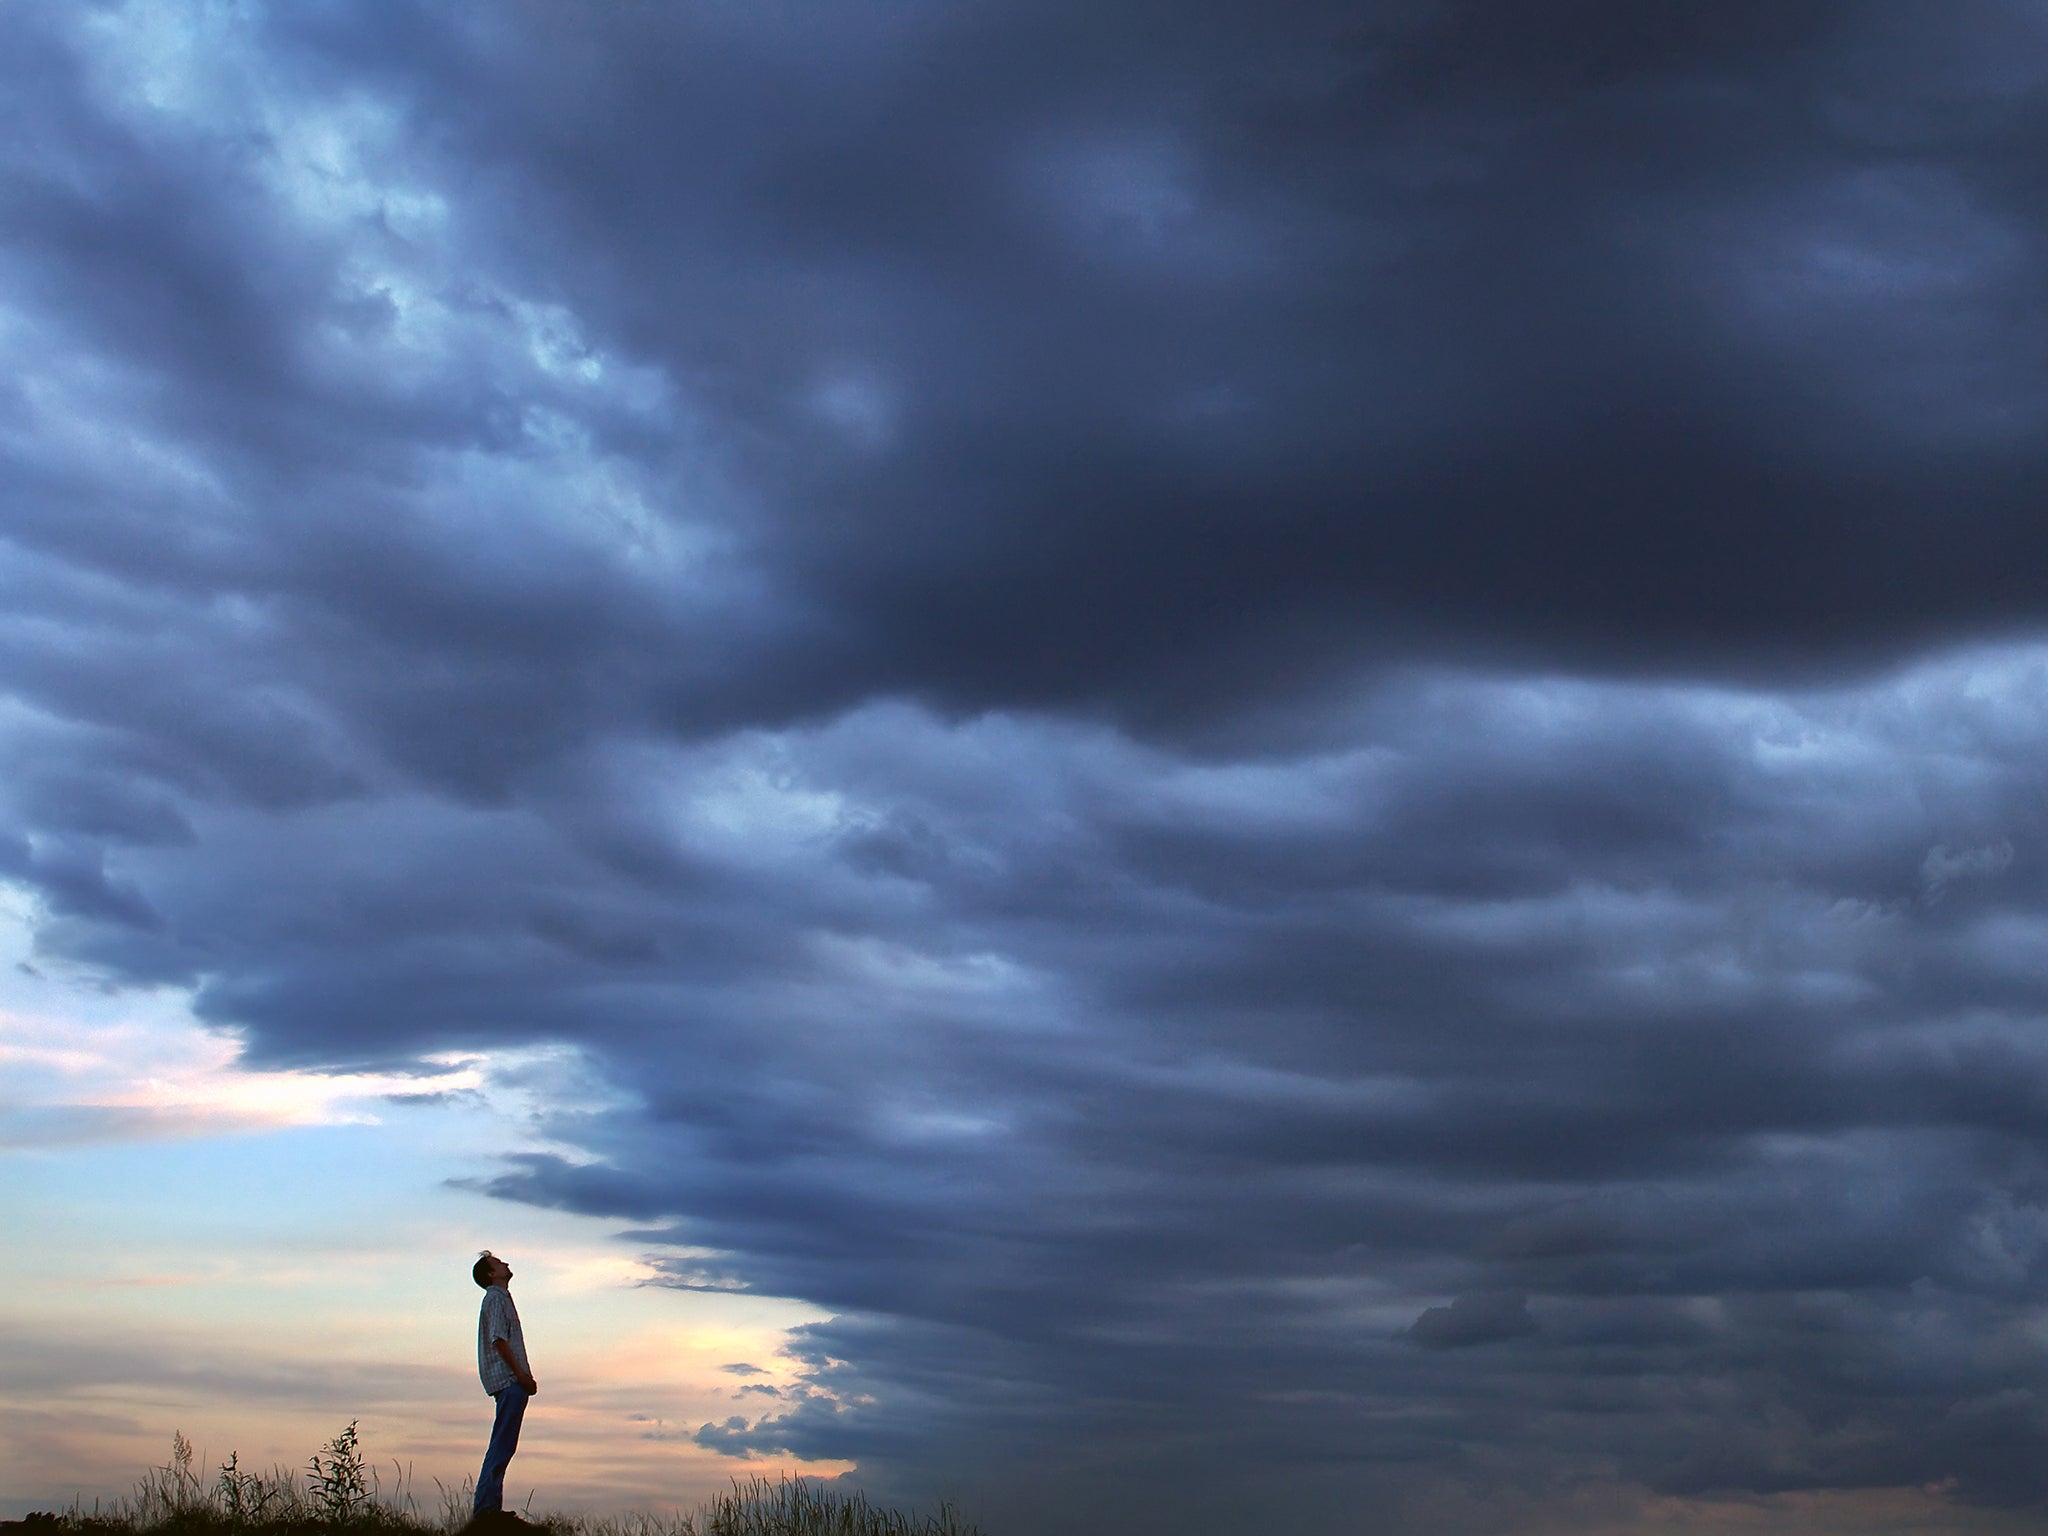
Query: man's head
point(490, 1270)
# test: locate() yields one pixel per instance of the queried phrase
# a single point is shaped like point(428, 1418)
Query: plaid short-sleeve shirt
point(499, 1319)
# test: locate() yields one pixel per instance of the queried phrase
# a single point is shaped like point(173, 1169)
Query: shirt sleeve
point(496, 1324)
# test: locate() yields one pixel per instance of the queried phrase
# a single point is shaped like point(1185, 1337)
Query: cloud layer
point(1304, 746)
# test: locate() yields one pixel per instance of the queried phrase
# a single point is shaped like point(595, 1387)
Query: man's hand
point(524, 1378)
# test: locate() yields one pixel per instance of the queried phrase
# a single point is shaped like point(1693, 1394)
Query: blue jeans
point(490, 1483)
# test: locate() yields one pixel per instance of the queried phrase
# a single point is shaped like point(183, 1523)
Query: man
point(501, 1362)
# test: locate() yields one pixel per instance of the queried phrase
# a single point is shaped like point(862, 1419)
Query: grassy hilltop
point(340, 1492)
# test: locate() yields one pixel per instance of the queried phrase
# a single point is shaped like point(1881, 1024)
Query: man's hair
point(480, 1271)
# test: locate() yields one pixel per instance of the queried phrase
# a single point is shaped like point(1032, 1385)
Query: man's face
point(500, 1272)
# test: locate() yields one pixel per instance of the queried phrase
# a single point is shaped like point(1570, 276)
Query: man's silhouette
point(501, 1362)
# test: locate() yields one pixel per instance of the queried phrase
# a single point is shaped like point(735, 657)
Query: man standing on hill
point(501, 1362)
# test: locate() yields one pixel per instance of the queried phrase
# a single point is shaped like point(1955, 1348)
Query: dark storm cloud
point(1173, 698)
point(1153, 360)
point(1484, 1318)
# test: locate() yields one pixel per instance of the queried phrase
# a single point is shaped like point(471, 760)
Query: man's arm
point(525, 1378)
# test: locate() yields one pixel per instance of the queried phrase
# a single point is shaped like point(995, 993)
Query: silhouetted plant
point(343, 1490)
point(794, 1507)
point(251, 1498)
point(173, 1490)
point(338, 1484)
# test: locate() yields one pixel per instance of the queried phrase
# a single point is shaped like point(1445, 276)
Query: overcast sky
point(1290, 756)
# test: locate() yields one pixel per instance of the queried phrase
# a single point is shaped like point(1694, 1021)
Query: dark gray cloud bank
point(1304, 743)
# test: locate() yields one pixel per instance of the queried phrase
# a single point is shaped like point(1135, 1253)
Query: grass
point(340, 1493)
